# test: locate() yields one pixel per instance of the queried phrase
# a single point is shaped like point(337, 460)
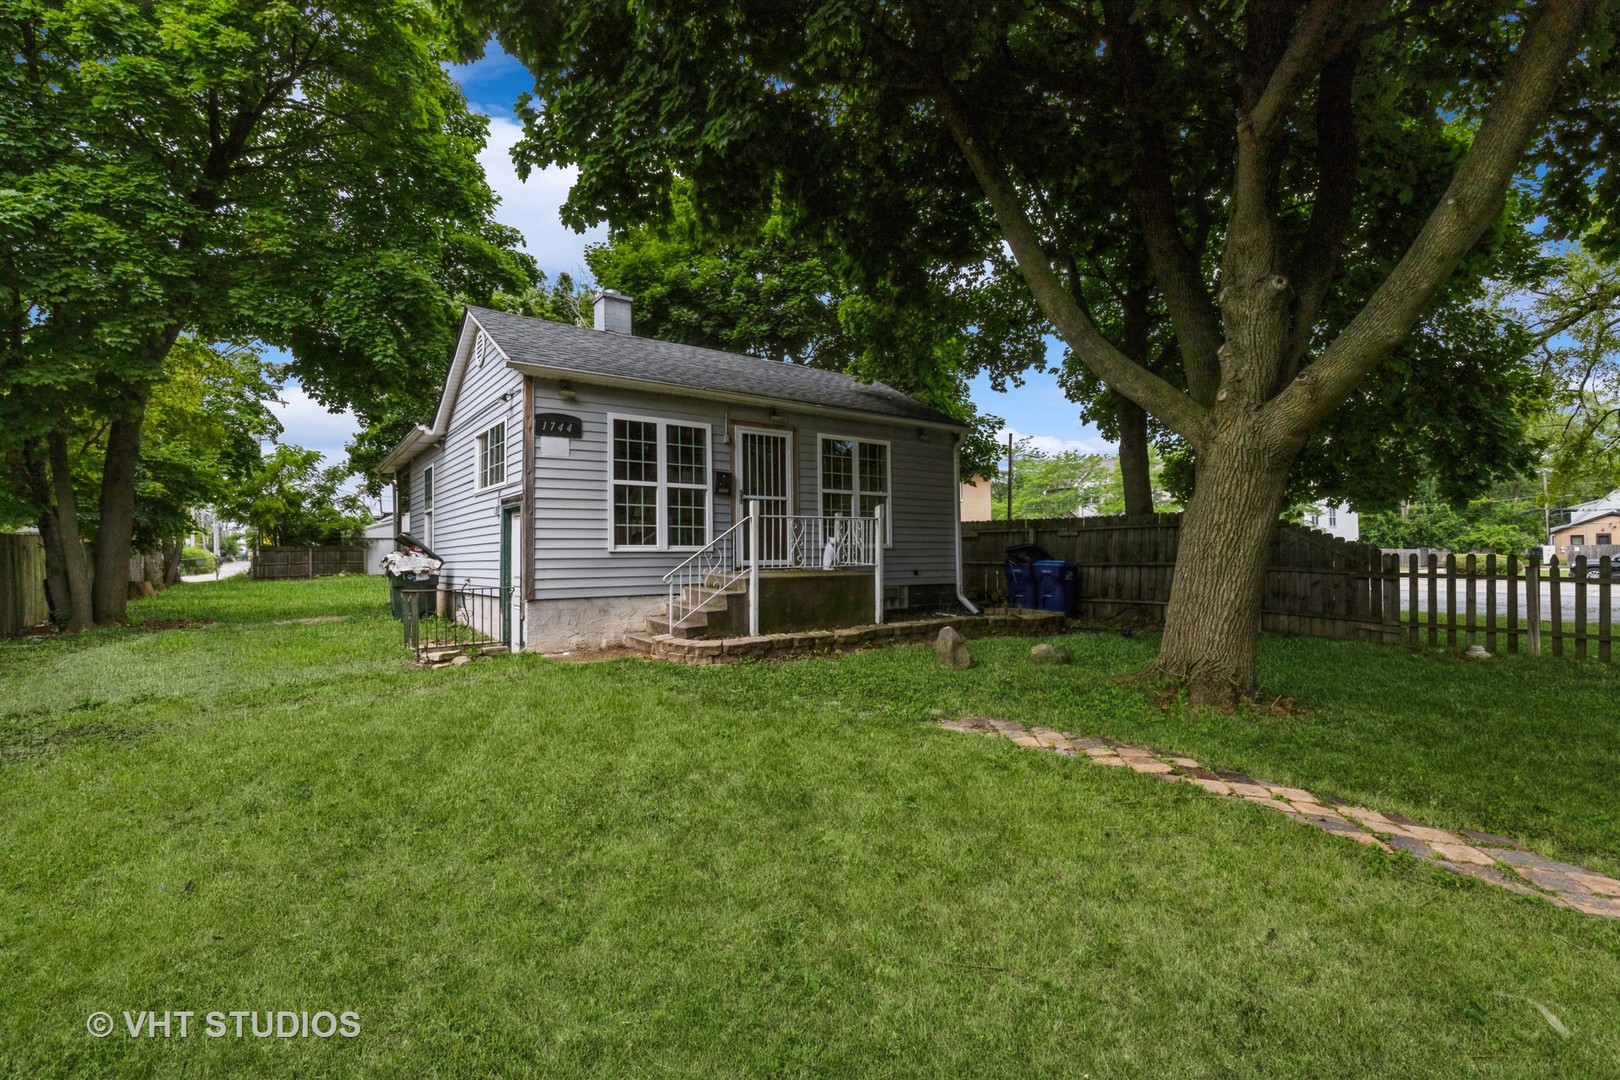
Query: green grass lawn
point(526, 867)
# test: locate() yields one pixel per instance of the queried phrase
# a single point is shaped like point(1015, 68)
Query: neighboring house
point(976, 502)
point(1336, 519)
point(1592, 524)
point(379, 541)
point(584, 469)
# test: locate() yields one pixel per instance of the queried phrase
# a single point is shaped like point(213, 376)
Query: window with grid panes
point(658, 464)
point(855, 479)
point(492, 456)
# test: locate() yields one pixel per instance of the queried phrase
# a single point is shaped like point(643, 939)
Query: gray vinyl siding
point(572, 501)
point(466, 521)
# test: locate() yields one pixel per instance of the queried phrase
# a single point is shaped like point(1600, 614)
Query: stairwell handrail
point(714, 558)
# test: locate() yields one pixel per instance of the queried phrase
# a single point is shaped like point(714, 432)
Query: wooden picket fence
point(22, 583)
point(277, 563)
point(1512, 602)
point(1316, 585)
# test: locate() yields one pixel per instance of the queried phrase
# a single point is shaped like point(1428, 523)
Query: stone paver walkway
point(1493, 859)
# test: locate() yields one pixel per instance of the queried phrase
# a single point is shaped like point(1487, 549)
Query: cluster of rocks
point(951, 649)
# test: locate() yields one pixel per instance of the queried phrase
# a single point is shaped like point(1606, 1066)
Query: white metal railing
point(803, 541)
point(774, 542)
point(707, 574)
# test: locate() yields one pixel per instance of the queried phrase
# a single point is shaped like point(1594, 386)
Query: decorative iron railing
point(774, 542)
point(706, 575)
point(442, 621)
point(812, 542)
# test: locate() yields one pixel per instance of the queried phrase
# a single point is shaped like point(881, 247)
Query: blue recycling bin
point(1057, 587)
point(1020, 583)
point(1022, 559)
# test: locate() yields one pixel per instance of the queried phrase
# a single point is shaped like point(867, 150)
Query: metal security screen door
point(765, 473)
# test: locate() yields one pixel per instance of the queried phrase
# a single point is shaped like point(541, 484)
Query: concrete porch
point(789, 601)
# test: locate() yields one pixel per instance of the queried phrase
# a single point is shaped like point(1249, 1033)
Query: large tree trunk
point(1134, 468)
point(75, 566)
point(115, 542)
point(1213, 618)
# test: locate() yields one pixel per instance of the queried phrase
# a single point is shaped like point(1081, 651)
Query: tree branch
point(1332, 211)
point(1192, 311)
point(1472, 201)
point(1174, 409)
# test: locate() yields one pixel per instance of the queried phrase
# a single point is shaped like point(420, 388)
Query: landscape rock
point(952, 650)
point(460, 660)
point(1476, 652)
point(1049, 654)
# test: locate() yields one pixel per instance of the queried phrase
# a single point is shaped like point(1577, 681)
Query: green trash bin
point(407, 588)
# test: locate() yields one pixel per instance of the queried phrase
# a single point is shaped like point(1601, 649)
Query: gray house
point(606, 481)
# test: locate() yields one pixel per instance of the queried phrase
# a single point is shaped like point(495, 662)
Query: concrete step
point(639, 642)
point(712, 582)
point(696, 598)
point(692, 627)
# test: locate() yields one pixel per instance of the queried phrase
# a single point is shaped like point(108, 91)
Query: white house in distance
point(1336, 519)
point(597, 475)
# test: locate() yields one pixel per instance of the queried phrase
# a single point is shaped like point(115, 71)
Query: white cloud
point(1052, 444)
point(307, 423)
point(531, 206)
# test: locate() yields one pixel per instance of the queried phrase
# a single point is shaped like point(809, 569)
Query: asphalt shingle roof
point(594, 352)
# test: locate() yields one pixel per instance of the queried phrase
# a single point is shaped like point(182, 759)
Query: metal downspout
point(956, 478)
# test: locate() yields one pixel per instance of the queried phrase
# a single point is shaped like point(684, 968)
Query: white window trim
point(663, 423)
point(855, 479)
point(478, 457)
point(427, 505)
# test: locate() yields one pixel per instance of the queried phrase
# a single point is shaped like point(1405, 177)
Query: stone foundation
point(585, 625)
point(911, 631)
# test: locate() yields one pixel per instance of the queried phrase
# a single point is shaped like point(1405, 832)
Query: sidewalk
point(1492, 859)
point(230, 569)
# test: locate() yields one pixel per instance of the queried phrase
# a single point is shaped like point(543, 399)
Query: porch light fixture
point(775, 417)
point(922, 434)
point(565, 390)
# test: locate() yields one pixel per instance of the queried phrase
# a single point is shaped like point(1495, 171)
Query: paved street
point(230, 569)
point(1566, 591)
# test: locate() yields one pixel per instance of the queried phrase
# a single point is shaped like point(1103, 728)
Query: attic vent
point(613, 312)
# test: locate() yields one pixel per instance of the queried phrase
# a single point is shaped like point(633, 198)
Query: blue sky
point(492, 86)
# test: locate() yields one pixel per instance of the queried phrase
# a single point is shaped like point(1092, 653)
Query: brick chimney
point(613, 312)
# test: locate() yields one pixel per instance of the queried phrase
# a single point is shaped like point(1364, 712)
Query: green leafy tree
point(289, 499)
point(301, 175)
point(775, 293)
point(1067, 483)
point(1276, 160)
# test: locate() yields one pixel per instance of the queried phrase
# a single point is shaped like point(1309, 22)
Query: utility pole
point(1546, 509)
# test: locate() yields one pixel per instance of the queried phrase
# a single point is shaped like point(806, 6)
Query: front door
point(512, 577)
point(765, 475)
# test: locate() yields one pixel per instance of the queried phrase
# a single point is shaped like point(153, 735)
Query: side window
point(492, 456)
point(427, 506)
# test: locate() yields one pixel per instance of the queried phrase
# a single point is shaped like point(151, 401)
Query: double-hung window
point(855, 480)
point(660, 484)
point(492, 456)
point(427, 506)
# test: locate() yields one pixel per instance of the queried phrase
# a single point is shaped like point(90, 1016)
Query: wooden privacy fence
point(1316, 585)
point(22, 583)
point(273, 563)
point(1512, 602)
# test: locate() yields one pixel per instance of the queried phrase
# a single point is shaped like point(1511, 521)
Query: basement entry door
point(765, 473)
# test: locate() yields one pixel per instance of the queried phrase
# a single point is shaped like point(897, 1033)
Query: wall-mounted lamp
point(922, 434)
point(565, 390)
point(775, 417)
